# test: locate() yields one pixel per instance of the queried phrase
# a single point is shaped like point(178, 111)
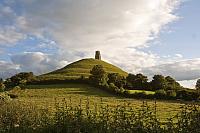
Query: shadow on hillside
point(76, 89)
point(55, 86)
point(88, 94)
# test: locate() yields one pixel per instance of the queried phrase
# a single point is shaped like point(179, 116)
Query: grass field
point(81, 68)
point(141, 91)
point(46, 95)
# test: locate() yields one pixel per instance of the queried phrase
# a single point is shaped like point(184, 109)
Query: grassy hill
point(81, 68)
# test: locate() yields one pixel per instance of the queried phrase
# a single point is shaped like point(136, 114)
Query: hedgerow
point(94, 118)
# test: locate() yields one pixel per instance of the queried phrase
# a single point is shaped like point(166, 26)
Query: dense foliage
point(18, 79)
point(19, 117)
point(164, 87)
point(2, 86)
point(98, 75)
point(198, 85)
point(138, 81)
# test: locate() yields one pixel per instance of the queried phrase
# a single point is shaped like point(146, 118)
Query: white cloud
point(92, 24)
point(179, 55)
point(6, 15)
point(9, 31)
point(9, 36)
point(112, 26)
point(7, 69)
point(5, 66)
point(188, 83)
point(37, 62)
point(131, 60)
point(115, 27)
point(180, 70)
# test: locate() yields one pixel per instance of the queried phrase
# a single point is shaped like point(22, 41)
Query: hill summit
point(82, 68)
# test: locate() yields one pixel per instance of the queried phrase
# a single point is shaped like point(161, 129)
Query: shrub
point(122, 90)
point(16, 88)
point(171, 94)
point(160, 94)
point(4, 98)
point(187, 95)
point(18, 117)
point(113, 88)
point(106, 87)
point(2, 87)
point(140, 95)
point(127, 93)
point(13, 95)
point(19, 79)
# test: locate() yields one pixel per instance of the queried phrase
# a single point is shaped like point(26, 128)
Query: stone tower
point(98, 55)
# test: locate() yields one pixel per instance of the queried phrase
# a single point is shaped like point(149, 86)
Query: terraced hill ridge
point(82, 68)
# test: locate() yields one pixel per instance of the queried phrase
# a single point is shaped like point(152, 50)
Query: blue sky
point(184, 35)
point(141, 36)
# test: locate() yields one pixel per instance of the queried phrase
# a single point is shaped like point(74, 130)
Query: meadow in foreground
point(81, 115)
point(46, 95)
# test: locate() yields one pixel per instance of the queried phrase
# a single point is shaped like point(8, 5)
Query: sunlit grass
point(46, 95)
point(141, 91)
point(82, 68)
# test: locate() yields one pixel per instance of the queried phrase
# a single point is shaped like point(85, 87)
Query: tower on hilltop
point(98, 55)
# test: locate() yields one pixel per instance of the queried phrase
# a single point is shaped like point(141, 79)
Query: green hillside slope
point(81, 68)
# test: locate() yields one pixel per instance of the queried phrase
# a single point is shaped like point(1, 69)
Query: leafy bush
point(171, 94)
point(138, 81)
point(98, 76)
point(139, 95)
point(19, 79)
point(160, 94)
point(117, 79)
point(113, 88)
point(13, 95)
point(4, 98)
point(2, 87)
point(187, 95)
point(20, 117)
point(15, 92)
point(121, 90)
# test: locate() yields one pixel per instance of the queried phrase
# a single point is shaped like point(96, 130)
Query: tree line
point(164, 87)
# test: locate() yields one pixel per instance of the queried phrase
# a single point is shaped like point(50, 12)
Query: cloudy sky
point(152, 37)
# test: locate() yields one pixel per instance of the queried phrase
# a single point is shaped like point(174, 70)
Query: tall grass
point(95, 118)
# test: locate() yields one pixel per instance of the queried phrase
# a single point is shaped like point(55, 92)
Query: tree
point(117, 79)
point(130, 79)
point(113, 88)
point(158, 82)
point(112, 77)
point(141, 81)
point(160, 94)
point(138, 81)
point(98, 75)
point(121, 81)
point(19, 79)
point(198, 85)
point(171, 83)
